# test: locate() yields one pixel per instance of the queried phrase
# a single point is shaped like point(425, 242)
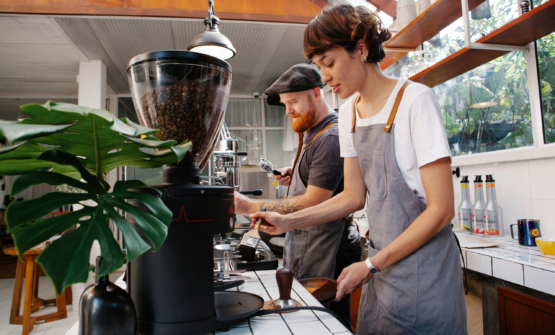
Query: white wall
point(525, 190)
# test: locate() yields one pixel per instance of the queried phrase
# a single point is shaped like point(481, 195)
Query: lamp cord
point(210, 11)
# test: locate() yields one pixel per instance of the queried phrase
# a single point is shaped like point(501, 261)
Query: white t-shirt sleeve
point(427, 130)
point(346, 146)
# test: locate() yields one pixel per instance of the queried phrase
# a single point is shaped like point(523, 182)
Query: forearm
point(283, 206)
point(423, 229)
point(335, 208)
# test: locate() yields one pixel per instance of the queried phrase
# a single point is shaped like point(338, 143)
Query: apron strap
point(393, 110)
point(306, 146)
point(319, 133)
point(396, 107)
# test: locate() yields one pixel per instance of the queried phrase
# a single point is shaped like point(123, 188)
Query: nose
point(326, 78)
point(289, 110)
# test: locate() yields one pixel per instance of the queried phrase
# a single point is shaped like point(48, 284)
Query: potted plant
point(65, 144)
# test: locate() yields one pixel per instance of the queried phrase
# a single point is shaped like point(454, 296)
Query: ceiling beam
point(286, 11)
point(387, 6)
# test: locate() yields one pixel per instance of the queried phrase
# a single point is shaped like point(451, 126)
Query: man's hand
point(351, 278)
point(243, 204)
point(285, 178)
point(272, 223)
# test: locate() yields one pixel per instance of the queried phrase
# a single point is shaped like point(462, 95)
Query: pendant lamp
point(211, 42)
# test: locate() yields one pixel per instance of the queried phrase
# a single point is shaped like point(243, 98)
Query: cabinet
point(523, 314)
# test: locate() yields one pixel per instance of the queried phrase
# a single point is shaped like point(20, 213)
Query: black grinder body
point(173, 288)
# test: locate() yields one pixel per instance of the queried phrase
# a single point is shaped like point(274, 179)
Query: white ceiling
point(36, 59)
point(39, 55)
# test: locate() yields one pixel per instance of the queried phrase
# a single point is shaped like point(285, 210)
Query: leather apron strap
point(319, 133)
point(304, 148)
point(393, 110)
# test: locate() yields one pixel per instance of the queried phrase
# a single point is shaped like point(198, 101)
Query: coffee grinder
point(185, 95)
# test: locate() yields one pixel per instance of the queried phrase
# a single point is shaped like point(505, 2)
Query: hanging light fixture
point(211, 42)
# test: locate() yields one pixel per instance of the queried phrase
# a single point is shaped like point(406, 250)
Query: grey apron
point(311, 251)
point(423, 293)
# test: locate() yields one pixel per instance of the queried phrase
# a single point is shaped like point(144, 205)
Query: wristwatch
point(371, 267)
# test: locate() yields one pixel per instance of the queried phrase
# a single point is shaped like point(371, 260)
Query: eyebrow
point(321, 59)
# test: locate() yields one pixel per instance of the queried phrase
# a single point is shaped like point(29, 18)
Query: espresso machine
point(185, 95)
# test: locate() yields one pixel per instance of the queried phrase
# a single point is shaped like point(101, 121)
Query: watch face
point(373, 271)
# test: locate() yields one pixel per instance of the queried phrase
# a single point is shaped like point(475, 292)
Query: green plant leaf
point(117, 147)
point(154, 229)
point(15, 131)
point(37, 232)
point(133, 241)
point(63, 158)
point(124, 185)
point(25, 220)
point(66, 260)
point(39, 177)
point(495, 82)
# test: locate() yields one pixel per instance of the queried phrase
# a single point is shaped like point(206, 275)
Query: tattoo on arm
point(285, 206)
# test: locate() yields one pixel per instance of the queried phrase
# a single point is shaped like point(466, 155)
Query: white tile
point(539, 280)
point(513, 210)
point(252, 287)
point(542, 179)
point(240, 324)
point(478, 263)
point(303, 328)
point(235, 331)
point(334, 325)
point(513, 180)
point(266, 272)
point(509, 271)
point(268, 280)
point(543, 210)
point(267, 326)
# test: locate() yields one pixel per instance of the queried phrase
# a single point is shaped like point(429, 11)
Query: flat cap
point(298, 78)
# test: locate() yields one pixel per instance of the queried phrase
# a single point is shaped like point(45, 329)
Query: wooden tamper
point(284, 278)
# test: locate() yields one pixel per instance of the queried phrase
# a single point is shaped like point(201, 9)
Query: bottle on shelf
point(465, 208)
point(478, 209)
point(494, 213)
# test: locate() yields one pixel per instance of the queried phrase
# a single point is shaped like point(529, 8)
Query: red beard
point(306, 120)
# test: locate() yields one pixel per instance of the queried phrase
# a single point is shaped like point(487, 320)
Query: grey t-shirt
point(321, 165)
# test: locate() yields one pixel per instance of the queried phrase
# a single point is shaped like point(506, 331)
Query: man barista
point(317, 175)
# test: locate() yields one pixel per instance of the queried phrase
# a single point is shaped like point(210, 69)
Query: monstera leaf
point(66, 260)
point(100, 141)
point(495, 82)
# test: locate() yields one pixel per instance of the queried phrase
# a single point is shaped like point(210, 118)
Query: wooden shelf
point(523, 30)
point(427, 25)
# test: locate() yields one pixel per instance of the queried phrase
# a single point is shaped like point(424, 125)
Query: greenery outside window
point(488, 108)
point(546, 70)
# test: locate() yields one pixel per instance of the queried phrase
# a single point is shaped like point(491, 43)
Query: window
point(546, 70)
point(259, 128)
point(488, 108)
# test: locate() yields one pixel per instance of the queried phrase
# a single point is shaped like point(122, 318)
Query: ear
point(362, 48)
point(317, 93)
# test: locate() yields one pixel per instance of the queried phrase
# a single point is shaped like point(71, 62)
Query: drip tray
point(236, 305)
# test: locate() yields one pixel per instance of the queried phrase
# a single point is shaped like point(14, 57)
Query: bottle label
point(465, 220)
point(478, 221)
point(492, 223)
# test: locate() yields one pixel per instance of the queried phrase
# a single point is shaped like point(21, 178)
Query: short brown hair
point(344, 25)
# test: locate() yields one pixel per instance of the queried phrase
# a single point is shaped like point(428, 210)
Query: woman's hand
point(285, 178)
point(272, 222)
point(351, 278)
point(243, 205)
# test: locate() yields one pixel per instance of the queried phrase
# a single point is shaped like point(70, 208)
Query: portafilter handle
point(267, 166)
point(284, 278)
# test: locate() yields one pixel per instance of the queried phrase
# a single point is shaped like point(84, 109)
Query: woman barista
point(395, 150)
